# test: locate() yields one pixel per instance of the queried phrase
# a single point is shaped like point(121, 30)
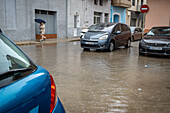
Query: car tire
point(141, 54)
point(86, 49)
point(111, 47)
point(128, 43)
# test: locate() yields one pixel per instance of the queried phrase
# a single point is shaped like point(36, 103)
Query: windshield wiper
point(13, 72)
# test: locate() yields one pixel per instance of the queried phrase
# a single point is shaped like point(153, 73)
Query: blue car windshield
point(104, 27)
point(162, 31)
point(11, 58)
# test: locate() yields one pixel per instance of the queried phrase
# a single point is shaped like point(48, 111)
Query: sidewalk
point(48, 41)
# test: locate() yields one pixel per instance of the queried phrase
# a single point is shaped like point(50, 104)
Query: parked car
point(156, 41)
point(137, 33)
point(107, 36)
point(24, 86)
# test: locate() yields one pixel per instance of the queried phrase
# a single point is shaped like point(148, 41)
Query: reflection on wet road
point(105, 82)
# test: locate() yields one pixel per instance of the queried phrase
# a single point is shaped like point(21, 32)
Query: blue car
point(106, 36)
point(24, 86)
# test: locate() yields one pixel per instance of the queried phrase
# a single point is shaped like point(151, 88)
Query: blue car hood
point(94, 35)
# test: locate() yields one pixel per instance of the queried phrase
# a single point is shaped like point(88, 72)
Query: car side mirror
point(0, 31)
point(117, 32)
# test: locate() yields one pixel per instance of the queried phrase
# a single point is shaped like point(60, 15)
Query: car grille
point(92, 46)
point(155, 51)
point(158, 51)
point(156, 44)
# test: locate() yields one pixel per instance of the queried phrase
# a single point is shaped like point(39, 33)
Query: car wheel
point(86, 49)
point(111, 46)
point(128, 43)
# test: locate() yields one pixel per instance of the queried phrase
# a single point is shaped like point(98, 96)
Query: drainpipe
point(111, 13)
point(66, 18)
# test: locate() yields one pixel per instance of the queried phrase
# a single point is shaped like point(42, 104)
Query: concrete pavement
point(48, 41)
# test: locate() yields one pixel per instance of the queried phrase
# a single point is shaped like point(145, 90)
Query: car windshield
point(104, 27)
point(162, 31)
point(91, 27)
point(11, 58)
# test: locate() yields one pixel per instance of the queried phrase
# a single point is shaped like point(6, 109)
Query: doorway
point(50, 25)
point(76, 25)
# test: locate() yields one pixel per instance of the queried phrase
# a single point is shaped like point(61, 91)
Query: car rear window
point(12, 61)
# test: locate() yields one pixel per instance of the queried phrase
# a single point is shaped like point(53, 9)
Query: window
point(96, 2)
point(124, 28)
point(14, 64)
point(37, 12)
point(44, 12)
point(117, 28)
point(141, 2)
point(97, 17)
point(75, 21)
point(51, 13)
point(106, 17)
point(133, 2)
point(101, 2)
point(10, 14)
point(133, 22)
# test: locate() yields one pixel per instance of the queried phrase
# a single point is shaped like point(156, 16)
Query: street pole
point(66, 18)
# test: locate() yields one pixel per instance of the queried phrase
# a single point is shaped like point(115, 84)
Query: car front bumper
point(59, 107)
point(89, 44)
point(144, 49)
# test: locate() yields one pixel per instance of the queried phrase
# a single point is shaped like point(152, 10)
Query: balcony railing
point(121, 3)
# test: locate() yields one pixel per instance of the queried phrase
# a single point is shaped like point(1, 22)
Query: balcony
point(121, 3)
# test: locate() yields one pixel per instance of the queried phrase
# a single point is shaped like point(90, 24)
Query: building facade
point(134, 17)
point(158, 14)
point(83, 13)
point(118, 10)
point(17, 18)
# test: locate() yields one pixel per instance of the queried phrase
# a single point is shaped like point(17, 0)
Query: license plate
point(91, 43)
point(155, 48)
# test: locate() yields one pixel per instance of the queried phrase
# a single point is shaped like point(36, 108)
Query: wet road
point(105, 82)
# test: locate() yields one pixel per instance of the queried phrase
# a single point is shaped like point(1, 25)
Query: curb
point(48, 41)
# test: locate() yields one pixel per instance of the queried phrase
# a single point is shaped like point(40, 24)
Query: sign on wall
point(144, 8)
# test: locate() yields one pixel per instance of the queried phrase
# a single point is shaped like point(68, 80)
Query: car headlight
point(143, 42)
point(104, 37)
point(81, 33)
point(82, 36)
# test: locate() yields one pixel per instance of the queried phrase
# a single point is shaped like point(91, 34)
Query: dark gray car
point(107, 36)
point(156, 41)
